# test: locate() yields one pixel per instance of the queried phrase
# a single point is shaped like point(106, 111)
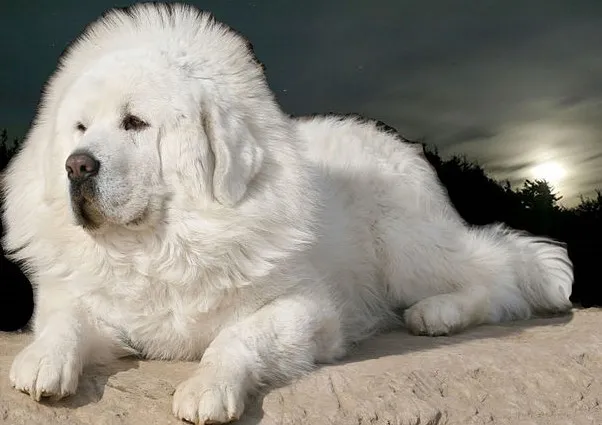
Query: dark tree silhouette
point(7, 149)
point(16, 295)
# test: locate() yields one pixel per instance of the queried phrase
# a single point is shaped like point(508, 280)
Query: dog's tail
point(543, 270)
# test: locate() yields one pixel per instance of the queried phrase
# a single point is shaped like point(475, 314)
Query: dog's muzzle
point(82, 168)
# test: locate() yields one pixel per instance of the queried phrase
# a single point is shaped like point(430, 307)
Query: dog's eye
point(80, 127)
point(132, 122)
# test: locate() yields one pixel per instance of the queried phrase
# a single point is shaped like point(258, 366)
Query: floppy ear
point(237, 155)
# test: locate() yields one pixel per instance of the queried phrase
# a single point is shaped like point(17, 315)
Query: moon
point(551, 171)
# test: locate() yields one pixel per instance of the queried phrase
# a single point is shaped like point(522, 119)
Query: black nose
point(81, 166)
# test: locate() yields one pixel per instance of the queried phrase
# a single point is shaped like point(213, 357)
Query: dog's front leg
point(66, 339)
point(280, 341)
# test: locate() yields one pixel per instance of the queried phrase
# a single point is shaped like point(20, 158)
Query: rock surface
point(544, 371)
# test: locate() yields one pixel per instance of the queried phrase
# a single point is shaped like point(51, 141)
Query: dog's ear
point(238, 156)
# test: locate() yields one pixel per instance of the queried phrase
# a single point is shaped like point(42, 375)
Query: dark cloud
point(508, 83)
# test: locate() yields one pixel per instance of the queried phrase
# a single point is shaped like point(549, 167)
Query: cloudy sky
point(513, 84)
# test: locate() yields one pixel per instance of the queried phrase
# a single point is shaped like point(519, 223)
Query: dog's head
point(164, 105)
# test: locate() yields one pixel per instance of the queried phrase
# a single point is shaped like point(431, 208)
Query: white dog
point(166, 206)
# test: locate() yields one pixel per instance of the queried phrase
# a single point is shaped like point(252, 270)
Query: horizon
point(513, 87)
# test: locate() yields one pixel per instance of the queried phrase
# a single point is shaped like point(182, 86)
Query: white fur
point(232, 233)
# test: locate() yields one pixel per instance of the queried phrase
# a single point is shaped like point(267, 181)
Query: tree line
point(533, 207)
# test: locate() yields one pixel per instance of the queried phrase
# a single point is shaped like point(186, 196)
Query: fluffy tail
point(544, 272)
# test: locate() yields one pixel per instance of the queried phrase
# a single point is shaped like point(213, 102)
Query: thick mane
point(183, 33)
point(215, 57)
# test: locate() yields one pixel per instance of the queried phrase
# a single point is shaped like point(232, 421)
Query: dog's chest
point(160, 319)
point(161, 303)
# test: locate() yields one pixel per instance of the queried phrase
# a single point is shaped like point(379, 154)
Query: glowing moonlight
point(552, 172)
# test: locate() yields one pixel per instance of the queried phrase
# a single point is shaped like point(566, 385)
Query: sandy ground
point(545, 371)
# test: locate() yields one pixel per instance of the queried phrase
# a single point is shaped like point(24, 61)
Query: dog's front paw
point(206, 399)
point(44, 370)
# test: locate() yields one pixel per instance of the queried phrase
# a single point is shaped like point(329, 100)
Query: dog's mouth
point(84, 205)
point(90, 214)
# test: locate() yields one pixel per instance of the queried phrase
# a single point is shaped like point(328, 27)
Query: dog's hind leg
point(448, 313)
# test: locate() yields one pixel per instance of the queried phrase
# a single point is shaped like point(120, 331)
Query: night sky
point(515, 85)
